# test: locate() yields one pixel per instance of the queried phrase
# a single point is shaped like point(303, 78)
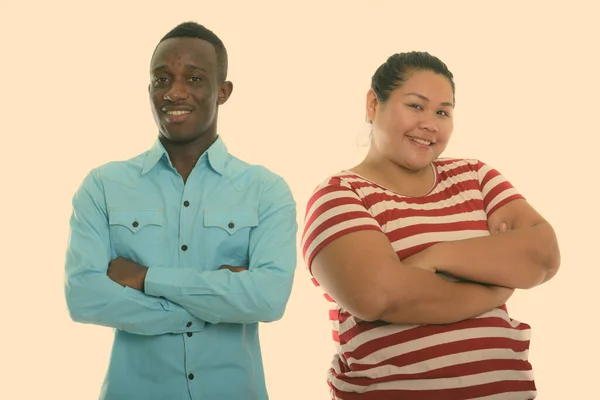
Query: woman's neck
point(396, 177)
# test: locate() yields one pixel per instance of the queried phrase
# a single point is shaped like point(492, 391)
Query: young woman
point(401, 246)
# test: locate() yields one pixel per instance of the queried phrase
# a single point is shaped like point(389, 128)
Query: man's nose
point(177, 92)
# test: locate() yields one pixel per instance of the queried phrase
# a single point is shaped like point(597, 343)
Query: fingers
point(502, 228)
point(233, 269)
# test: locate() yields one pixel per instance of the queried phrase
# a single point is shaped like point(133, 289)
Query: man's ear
point(224, 92)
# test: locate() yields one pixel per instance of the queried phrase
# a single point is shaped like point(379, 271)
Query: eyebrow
point(446, 103)
point(189, 66)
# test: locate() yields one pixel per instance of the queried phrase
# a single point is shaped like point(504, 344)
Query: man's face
point(184, 90)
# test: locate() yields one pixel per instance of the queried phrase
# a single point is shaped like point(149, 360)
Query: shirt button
point(186, 203)
point(189, 334)
point(184, 247)
point(135, 224)
point(231, 225)
point(191, 376)
point(189, 324)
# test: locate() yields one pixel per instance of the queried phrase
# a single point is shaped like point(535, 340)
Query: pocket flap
point(135, 220)
point(231, 220)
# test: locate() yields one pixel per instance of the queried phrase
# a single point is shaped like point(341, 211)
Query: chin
point(179, 137)
point(183, 135)
point(416, 166)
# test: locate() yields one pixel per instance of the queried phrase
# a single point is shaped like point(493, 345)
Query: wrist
point(143, 274)
point(433, 257)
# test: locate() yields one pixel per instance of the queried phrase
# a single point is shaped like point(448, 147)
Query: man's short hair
point(194, 30)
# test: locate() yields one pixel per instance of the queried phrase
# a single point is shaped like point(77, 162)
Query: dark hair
point(396, 70)
point(195, 30)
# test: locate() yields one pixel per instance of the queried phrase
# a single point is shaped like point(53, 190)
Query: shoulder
point(238, 169)
point(270, 186)
point(479, 169)
point(116, 171)
point(339, 194)
point(341, 181)
point(463, 169)
point(336, 208)
point(453, 163)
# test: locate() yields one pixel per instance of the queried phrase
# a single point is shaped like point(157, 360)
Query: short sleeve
point(333, 210)
point(496, 189)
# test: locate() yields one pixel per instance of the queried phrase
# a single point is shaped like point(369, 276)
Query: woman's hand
point(502, 294)
point(423, 261)
point(420, 260)
point(501, 229)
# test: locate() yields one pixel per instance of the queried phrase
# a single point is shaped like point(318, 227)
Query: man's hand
point(233, 269)
point(127, 273)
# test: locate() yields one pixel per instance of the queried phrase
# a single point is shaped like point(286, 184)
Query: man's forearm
point(258, 295)
point(521, 258)
point(92, 298)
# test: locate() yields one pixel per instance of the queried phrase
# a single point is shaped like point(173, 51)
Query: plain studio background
point(74, 96)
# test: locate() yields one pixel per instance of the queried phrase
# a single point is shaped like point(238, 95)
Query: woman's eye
point(417, 106)
point(444, 113)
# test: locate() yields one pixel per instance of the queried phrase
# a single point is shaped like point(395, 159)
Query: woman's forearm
point(431, 299)
point(521, 258)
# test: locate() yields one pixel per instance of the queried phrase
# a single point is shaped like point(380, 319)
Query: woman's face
point(414, 126)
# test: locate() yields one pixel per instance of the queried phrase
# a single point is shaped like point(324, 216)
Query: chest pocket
point(137, 235)
point(229, 235)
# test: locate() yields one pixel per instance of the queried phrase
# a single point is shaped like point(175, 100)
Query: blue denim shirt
point(193, 333)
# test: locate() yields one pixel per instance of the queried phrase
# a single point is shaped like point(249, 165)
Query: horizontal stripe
point(385, 349)
point(465, 381)
point(504, 390)
point(446, 366)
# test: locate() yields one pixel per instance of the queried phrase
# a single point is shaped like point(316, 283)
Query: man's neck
point(184, 156)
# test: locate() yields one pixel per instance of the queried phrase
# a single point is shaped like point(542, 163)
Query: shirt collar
point(217, 155)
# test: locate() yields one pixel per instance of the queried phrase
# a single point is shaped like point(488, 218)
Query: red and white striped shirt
point(479, 358)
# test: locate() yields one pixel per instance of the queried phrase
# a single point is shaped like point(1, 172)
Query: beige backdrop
point(74, 77)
